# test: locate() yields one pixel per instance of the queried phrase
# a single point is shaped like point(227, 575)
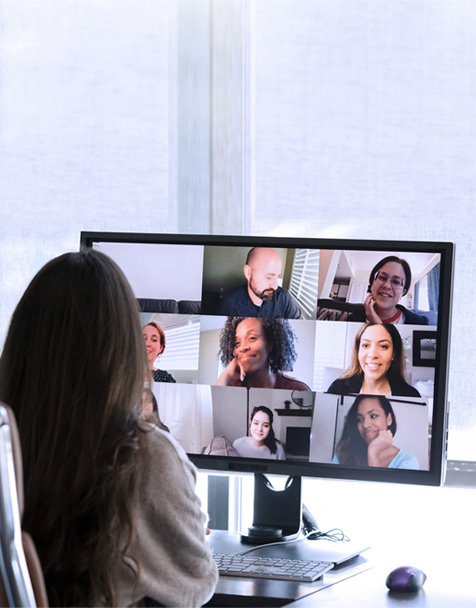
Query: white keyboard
point(272, 568)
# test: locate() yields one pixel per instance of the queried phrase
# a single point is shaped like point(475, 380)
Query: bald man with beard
point(260, 296)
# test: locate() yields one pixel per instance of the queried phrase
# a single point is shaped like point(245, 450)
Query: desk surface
point(369, 587)
point(363, 578)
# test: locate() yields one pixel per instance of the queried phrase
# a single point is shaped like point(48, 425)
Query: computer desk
point(360, 581)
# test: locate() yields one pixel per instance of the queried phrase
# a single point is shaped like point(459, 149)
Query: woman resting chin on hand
point(232, 375)
point(257, 353)
point(371, 314)
point(367, 437)
point(389, 281)
point(381, 451)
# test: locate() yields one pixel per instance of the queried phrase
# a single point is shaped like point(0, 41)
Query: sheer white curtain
point(84, 128)
point(127, 115)
point(187, 410)
point(365, 127)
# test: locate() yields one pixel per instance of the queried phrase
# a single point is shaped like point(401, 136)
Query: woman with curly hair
point(257, 353)
point(109, 497)
point(367, 437)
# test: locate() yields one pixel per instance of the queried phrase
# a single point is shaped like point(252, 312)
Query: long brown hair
point(397, 366)
point(352, 449)
point(72, 369)
point(270, 442)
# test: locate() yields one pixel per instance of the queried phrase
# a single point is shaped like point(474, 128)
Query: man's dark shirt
point(237, 303)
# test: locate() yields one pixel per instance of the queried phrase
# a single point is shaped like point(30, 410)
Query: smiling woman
point(154, 337)
point(257, 352)
point(260, 442)
point(367, 438)
point(389, 281)
point(378, 365)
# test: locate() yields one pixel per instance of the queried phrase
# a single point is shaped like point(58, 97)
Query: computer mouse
point(406, 578)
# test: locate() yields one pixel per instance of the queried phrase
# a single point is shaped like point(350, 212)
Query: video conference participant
point(257, 353)
point(389, 281)
point(109, 498)
point(154, 337)
point(260, 296)
point(367, 437)
point(378, 364)
point(261, 441)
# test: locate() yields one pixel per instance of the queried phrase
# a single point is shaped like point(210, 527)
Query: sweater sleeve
point(176, 566)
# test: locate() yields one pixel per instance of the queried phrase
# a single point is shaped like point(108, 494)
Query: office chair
point(21, 576)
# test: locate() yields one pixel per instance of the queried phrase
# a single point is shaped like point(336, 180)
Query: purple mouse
point(406, 578)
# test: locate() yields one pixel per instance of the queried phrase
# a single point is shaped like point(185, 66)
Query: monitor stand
point(279, 515)
point(276, 513)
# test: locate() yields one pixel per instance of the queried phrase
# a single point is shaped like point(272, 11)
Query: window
point(349, 118)
point(365, 127)
point(182, 346)
point(84, 139)
point(304, 280)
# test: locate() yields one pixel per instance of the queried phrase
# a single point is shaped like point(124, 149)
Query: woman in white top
point(261, 441)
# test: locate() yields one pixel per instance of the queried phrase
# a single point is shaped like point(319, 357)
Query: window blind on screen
point(304, 279)
point(182, 346)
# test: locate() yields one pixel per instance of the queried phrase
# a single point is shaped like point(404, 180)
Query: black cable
point(335, 535)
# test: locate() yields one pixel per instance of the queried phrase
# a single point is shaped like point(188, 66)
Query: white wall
point(152, 269)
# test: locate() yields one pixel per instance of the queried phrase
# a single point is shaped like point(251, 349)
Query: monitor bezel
point(232, 465)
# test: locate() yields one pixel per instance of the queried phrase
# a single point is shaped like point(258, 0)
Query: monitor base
point(276, 513)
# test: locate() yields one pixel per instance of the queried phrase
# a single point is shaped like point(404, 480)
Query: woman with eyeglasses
point(389, 281)
point(378, 364)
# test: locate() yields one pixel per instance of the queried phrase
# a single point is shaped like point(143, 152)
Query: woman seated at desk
point(109, 498)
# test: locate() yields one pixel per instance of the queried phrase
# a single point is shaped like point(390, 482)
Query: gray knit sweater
point(176, 564)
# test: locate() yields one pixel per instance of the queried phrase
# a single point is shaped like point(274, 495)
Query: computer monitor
point(296, 356)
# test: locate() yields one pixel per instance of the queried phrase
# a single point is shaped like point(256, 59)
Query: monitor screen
point(296, 356)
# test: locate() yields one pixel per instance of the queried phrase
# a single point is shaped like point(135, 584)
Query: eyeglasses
point(381, 277)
